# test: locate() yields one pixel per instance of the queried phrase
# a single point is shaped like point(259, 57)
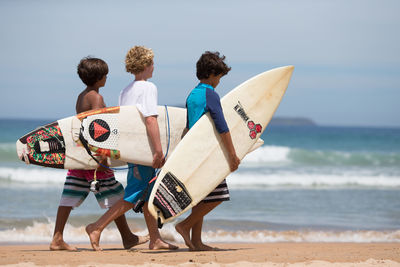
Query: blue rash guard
point(204, 99)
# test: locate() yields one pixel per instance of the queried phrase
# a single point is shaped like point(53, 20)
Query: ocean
point(305, 184)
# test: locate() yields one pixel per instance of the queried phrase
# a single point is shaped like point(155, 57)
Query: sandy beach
point(238, 254)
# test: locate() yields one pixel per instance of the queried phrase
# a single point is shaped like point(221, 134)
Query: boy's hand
point(158, 160)
point(234, 162)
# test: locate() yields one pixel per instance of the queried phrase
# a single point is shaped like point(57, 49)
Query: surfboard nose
point(274, 82)
point(284, 73)
point(287, 72)
point(289, 69)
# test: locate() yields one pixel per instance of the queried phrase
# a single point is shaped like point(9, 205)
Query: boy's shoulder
point(91, 95)
point(150, 84)
point(89, 100)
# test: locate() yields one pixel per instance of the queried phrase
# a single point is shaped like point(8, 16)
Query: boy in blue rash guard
point(202, 99)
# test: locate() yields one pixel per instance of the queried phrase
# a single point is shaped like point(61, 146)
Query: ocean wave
point(296, 179)
point(241, 179)
point(268, 155)
point(277, 156)
point(301, 236)
point(8, 152)
point(40, 176)
point(42, 232)
point(283, 156)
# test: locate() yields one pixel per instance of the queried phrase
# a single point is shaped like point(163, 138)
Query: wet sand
point(229, 254)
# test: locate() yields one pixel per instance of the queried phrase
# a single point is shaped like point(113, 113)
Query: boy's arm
point(234, 161)
point(154, 135)
point(215, 109)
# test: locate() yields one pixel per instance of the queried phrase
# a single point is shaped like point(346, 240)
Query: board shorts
point(137, 181)
point(77, 188)
point(220, 193)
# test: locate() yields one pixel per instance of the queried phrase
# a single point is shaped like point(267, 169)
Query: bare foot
point(161, 244)
point(94, 236)
point(202, 247)
point(135, 240)
point(61, 245)
point(185, 233)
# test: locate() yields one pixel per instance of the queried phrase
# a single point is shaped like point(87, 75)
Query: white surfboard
point(116, 132)
point(200, 162)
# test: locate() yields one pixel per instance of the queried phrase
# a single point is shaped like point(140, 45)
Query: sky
point(345, 52)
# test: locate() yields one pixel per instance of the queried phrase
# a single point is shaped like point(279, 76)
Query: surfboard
point(119, 133)
point(200, 162)
point(116, 132)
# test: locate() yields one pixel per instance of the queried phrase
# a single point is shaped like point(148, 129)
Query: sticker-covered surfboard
point(116, 132)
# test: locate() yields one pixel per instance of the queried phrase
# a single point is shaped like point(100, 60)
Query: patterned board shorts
point(220, 193)
point(77, 188)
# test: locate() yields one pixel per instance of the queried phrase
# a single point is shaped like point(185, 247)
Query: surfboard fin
point(25, 157)
point(159, 223)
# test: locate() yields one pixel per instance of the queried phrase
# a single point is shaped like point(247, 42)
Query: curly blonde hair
point(138, 58)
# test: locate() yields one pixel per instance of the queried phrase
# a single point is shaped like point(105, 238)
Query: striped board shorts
point(77, 188)
point(221, 193)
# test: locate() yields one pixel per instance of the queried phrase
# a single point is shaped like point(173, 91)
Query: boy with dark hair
point(93, 72)
point(202, 99)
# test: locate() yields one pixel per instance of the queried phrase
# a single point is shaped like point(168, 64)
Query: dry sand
point(268, 254)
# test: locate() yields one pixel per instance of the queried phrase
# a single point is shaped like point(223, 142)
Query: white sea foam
point(302, 236)
point(42, 233)
point(39, 176)
point(293, 179)
point(268, 154)
point(281, 155)
point(7, 147)
point(243, 178)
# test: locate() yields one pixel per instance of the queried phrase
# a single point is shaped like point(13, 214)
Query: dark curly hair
point(91, 70)
point(211, 63)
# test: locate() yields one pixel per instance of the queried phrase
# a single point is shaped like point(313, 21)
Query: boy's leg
point(58, 242)
point(75, 191)
point(156, 241)
point(184, 227)
point(196, 237)
point(128, 238)
point(110, 193)
point(94, 229)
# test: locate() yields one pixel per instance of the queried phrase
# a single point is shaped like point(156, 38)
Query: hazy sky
point(346, 53)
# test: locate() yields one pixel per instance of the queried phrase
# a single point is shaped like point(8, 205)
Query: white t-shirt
point(143, 95)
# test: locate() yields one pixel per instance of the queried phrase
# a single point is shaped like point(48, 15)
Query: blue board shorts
point(137, 180)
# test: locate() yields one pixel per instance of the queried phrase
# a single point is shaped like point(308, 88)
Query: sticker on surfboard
point(101, 131)
point(255, 128)
point(171, 196)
